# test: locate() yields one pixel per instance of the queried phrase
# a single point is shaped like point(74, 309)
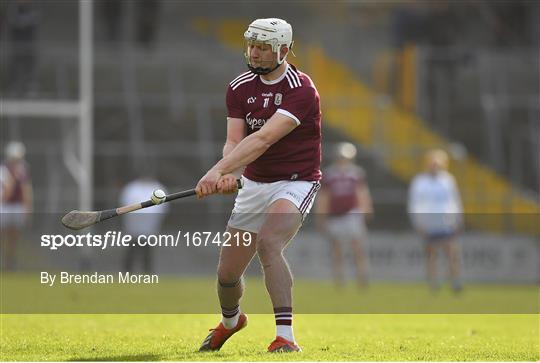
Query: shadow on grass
point(119, 358)
point(193, 356)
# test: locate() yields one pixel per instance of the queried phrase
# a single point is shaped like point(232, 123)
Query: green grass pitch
point(322, 337)
point(366, 335)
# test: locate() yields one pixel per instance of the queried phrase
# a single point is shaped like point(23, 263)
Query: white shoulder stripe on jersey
point(292, 83)
point(240, 76)
point(287, 113)
point(293, 80)
point(289, 80)
point(244, 81)
point(240, 79)
point(298, 78)
point(249, 75)
point(295, 77)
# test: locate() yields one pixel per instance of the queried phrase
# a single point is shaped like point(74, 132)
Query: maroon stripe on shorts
point(309, 197)
point(306, 199)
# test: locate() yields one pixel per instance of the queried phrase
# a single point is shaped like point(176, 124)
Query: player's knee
point(268, 249)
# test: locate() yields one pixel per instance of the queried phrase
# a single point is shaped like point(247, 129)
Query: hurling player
point(274, 142)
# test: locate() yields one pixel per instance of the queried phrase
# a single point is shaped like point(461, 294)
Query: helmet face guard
point(275, 32)
point(261, 69)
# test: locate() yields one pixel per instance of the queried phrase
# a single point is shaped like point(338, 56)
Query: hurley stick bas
point(77, 219)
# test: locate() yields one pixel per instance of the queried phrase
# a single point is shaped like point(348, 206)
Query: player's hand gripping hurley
point(81, 219)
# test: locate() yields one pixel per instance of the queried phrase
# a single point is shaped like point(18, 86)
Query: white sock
point(284, 317)
point(285, 331)
point(229, 318)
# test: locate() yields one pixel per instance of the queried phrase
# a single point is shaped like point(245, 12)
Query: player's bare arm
point(236, 131)
point(364, 200)
point(8, 185)
point(28, 197)
point(249, 149)
point(253, 146)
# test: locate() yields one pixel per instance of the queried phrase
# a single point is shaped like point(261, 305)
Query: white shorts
point(254, 199)
point(347, 227)
point(12, 215)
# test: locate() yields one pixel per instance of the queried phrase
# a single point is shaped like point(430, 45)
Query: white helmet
point(345, 150)
point(273, 31)
point(15, 150)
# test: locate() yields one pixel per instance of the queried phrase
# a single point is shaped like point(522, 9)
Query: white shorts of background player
point(347, 227)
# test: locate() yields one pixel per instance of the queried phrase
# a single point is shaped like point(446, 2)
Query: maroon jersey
point(297, 156)
point(341, 184)
point(19, 173)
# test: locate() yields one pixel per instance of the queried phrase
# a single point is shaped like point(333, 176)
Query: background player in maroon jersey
point(343, 203)
point(274, 142)
point(15, 201)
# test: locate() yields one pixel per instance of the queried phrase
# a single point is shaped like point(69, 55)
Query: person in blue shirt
point(436, 213)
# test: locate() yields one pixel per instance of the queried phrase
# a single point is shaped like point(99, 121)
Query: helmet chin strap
point(261, 70)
